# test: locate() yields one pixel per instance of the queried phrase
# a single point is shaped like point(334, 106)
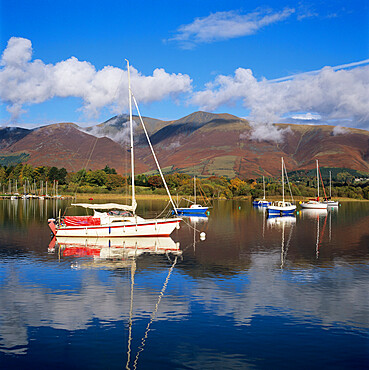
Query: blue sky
point(219, 56)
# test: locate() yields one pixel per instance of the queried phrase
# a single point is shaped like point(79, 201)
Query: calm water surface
point(257, 293)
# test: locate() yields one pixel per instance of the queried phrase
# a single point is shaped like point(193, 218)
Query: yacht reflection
point(283, 222)
point(280, 221)
point(195, 219)
point(313, 213)
point(317, 214)
point(112, 253)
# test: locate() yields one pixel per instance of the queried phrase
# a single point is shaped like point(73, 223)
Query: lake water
point(256, 293)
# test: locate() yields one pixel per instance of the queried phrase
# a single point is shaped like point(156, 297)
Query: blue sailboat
point(261, 202)
point(193, 209)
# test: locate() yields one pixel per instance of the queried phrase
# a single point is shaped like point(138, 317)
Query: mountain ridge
point(200, 143)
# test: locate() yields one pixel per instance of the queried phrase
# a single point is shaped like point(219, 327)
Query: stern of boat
point(52, 226)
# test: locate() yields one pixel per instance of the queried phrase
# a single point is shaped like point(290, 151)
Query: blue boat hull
point(261, 204)
point(191, 211)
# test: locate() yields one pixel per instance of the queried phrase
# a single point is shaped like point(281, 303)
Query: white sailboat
point(314, 203)
point(329, 201)
point(117, 220)
point(282, 207)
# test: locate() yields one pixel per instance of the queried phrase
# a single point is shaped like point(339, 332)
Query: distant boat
point(193, 209)
point(281, 207)
point(329, 201)
point(261, 202)
point(117, 220)
point(315, 203)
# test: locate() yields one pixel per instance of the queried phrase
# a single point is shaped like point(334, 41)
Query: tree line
point(107, 180)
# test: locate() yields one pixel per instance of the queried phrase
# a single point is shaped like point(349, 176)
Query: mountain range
point(201, 143)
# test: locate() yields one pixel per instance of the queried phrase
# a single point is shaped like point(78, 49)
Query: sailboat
point(194, 209)
point(329, 201)
point(282, 207)
point(314, 203)
point(261, 202)
point(117, 220)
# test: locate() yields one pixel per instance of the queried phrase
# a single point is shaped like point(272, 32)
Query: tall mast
point(194, 185)
point(317, 177)
point(282, 181)
point(131, 129)
point(330, 184)
point(264, 188)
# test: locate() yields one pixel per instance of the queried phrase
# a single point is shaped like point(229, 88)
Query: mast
point(317, 178)
point(330, 184)
point(282, 182)
point(264, 188)
point(131, 129)
point(194, 185)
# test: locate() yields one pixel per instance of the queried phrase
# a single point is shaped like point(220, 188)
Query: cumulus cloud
point(24, 82)
point(226, 25)
point(332, 94)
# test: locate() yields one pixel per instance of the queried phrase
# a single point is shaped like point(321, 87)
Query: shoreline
point(165, 197)
point(125, 198)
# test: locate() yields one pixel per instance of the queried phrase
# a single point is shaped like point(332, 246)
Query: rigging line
point(153, 153)
point(163, 210)
point(288, 182)
point(87, 162)
point(153, 315)
point(321, 178)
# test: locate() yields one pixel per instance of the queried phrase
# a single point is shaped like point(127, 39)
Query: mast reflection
point(283, 222)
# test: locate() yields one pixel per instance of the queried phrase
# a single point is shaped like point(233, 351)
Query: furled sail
point(124, 207)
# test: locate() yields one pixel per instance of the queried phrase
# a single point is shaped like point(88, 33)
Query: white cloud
point(120, 136)
point(265, 132)
point(329, 93)
point(23, 81)
point(339, 130)
point(226, 25)
point(307, 117)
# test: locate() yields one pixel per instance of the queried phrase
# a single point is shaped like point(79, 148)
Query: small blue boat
point(193, 209)
point(261, 202)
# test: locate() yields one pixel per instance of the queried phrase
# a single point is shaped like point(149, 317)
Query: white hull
point(281, 209)
point(162, 227)
point(313, 205)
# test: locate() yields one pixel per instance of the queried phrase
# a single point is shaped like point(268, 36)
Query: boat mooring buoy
point(202, 236)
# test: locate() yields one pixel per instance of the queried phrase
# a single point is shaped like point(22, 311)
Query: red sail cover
point(81, 221)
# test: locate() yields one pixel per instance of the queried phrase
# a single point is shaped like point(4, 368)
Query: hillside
point(201, 143)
